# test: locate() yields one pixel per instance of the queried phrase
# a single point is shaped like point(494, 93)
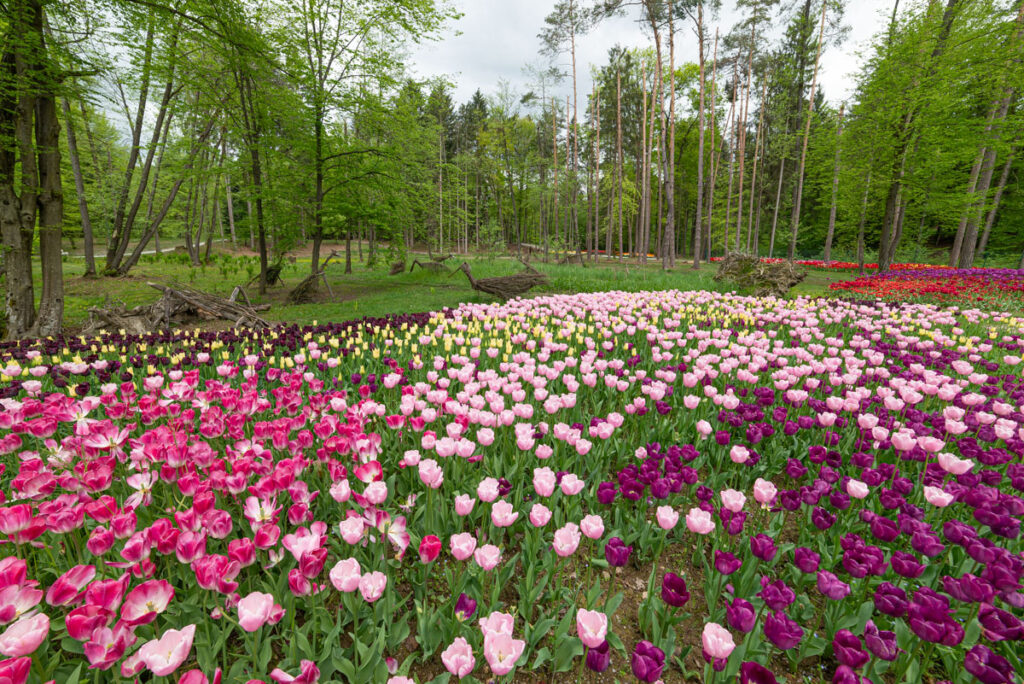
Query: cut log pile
point(177, 305)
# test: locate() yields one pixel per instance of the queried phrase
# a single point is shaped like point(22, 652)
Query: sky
point(496, 39)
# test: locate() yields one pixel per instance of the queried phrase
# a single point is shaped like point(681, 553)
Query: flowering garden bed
point(656, 485)
point(845, 265)
point(991, 287)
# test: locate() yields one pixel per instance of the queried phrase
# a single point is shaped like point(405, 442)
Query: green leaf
point(613, 604)
point(543, 655)
point(567, 650)
point(72, 646)
point(539, 631)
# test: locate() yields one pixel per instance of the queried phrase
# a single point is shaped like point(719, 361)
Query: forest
point(130, 124)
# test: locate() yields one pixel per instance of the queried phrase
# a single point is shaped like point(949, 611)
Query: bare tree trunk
point(991, 219)
point(156, 181)
point(714, 144)
point(618, 147)
point(670, 159)
point(778, 202)
point(554, 148)
point(698, 218)
point(50, 317)
point(807, 135)
point(230, 203)
point(597, 176)
point(860, 228)
point(643, 227)
point(972, 184)
point(753, 174)
point(743, 135)
point(734, 116)
point(835, 187)
point(83, 204)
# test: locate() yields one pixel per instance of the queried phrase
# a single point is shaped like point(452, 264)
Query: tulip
point(616, 553)
point(592, 527)
point(806, 560)
point(458, 658)
point(430, 548)
point(740, 615)
point(69, 587)
point(502, 514)
point(832, 587)
point(764, 492)
point(937, 497)
point(254, 610)
point(726, 563)
point(539, 515)
point(699, 521)
point(309, 673)
point(487, 556)
point(502, 652)
point(431, 473)
point(372, 585)
point(462, 545)
point(673, 590)
point(146, 601)
point(599, 658)
point(24, 636)
point(592, 627)
point(465, 608)
point(163, 656)
point(667, 517)
point(464, 505)
point(647, 662)
point(345, 575)
point(718, 642)
point(782, 631)
point(733, 500)
point(987, 666)
point(848, 649)
point(881, 643)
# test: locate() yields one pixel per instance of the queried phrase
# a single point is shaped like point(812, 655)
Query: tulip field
point(656, 486)
point(988, 287)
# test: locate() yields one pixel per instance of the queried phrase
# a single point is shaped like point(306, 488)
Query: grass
point(372, 292)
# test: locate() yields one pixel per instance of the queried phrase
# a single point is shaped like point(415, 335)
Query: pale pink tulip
point(345, 575)
point(571, 484)
point(733, 500)
point(372, 585)
point(539, 515)
point(487, 556)
point(462, 545)
point(544, 481)
point(667, 517)
point(699, 521)
point(717, 641)
point(567, 539)
point(24, 636)
point(739, 454)
point(857, 489)
point(592, 527)
point(953, 464)
point(487, 490)
point(592, 627)
point(464, 504)
point(502, 652)
point(497, 623)
point(164, 655)
point(503, 514)
point(458, 658)
point(254, 610)
point(938, 497)
point(764, 492)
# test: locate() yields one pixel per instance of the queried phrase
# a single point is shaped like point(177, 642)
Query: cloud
point(496, 39)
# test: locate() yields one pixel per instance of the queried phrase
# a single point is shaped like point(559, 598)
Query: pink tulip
point(539, 515)
point(544, 451)
point(592, 627)
point(544, 481)
point(464, 504)
point(717, 640)
point(667, 517)
point(400, 680)
point(937, 497)
point(431, 473)
point(764, 492)
point(163, 656)
point(567, 540)
point(458, 658)
point(376, 492)
point(309, 673)
point(497, 623)
point(351, 529)
point(699, 521)
point(571, 484)
point(502, 652)
point(953, 464)
point(146, 601)
point(69, 587)
point(15, 670)
point(462, 545)
point(857, 489)
point(503, 514)
point(24, 636)
point(733, 500)
point(485, 436)
point(372, 585)
point(487, 556)
point(487, 490)
point(254, 610)
point(345, 575)
point(739, 454)
point(592, 527)
point(704, 428)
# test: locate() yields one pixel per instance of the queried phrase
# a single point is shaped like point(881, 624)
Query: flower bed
point(994, 287)
point(846, 265)
point(812, 486)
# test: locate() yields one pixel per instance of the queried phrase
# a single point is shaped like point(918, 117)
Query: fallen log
point(505, 287)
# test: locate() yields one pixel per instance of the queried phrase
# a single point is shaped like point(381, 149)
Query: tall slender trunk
point(757, 156)
point(554, 148)
point(743, 135)
point(643, 225)
point(698, 217)
point(714, 144)
point(83, 203)
point(835, 187)
point(618, 147)
point(733, 128)
point(669, 255)
point(778, 202)
point(991, 219)
point(860, 227)
point(807, 134)
point(156, 180)
point(972, 184)
point(597, 176)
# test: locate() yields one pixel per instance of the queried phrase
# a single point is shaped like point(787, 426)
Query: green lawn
point(368, 292)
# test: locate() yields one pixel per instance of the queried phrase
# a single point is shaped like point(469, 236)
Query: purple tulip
point(822, 519)
point(806, 560)
point(740, 615)
point(647, 662)
point(465, 608)
point(890, 600)
point(988, 667)
point(1000, 625)
point(881, 643)
point(776, 595)
point(755, 673)
point(782, 631)
point(726, 563)
point(848, 649)
point(927, 544)
point(616, 552)
point(831, 587)
point(906, 565)
point(599, 657)
point(673, 590)
point(969, 589)
point(606, 493)
point(846, 675)
point(763, 547)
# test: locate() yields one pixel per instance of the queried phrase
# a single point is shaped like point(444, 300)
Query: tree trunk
point(743, 136)
point(714, 145)
point(152, 191)
point(733, 127)
point(778, 202)
point(835, 188)
point(597, 176)
point(860, 228)
point(807, 135)
point(991, 219)
point(669, 260)
point(83, 204)
point(753, 173)
point(698, 217)
point(618, 147)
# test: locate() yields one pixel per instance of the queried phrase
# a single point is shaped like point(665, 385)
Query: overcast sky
point(495, 39)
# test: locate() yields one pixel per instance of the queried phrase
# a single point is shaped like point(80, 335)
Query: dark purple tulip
point(969, 589)
point(806, 560)
point(616, 552)
point(1000, 625)
point(722, 437)
point(846, 675)
point(763, 547)
point(937, 631)
point(648, 661)
point(881, 643)
point(789, 499)
point(465, 608)
point(598, 658)
point(782, 631)
point(930, 604)
point(927, 544)
point(890, 600)
point(776, 595)
point(790, 428)
point(906, 565)
point(958, 532)
point(988, 667)
point(795, 469)
point(822, 519)
point(848, 649)
point(740, 615)
point(673, 590)
point(704, 493)
point(606, 493)
point(831, 587)
point(755, 673)
point(726, 563)
point(884, 529)
point(661, 488)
